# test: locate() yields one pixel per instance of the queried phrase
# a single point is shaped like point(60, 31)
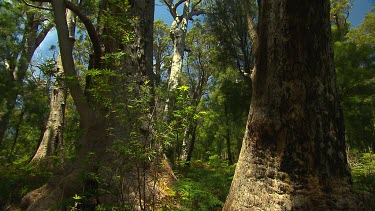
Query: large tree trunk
point(293, 153)
point(138, 186)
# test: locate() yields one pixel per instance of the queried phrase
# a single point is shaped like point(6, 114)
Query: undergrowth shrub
point(18, 178)
point(363, 171)
point(205, 185)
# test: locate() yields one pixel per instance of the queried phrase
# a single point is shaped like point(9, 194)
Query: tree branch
point(90, 30)
point(43, 34)
point(178, 3)
point(251, 27)
point(195, 5)
point(89, 27)
point(170, 8)
point(37, 7)
point(195, 13)
point(66, 48)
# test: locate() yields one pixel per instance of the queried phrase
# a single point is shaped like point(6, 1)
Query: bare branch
point(43, 34)
point(36, 6)
point(170, 8)
point(195, 5)
point(178, 3)
point(195, 13)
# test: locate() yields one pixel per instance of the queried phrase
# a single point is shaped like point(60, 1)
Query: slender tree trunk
point(293, 153)
point(191, 144)
point(227, 135)
point(17, 132)
point(185, 142)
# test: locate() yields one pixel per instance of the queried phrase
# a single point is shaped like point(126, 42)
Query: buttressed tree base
point(293, 153)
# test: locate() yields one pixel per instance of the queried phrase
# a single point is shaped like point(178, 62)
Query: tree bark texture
point(52, 141)
point(139, 187)
point(178, 33)
point(293, 153)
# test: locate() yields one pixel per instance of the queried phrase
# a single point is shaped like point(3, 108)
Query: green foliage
point(205, 185)
point(363, 171)
point(354, 60)
point(18, 178)
point(117, 21)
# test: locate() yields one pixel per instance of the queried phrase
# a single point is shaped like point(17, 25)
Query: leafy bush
point(205, 185)
point(18, 178)
point(363, 172)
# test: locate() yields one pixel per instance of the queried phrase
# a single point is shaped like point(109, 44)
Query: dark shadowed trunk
point(227, 135)
point(293, 153)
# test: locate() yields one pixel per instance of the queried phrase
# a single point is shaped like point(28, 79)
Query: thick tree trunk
point(95, 155)
point(293, 153)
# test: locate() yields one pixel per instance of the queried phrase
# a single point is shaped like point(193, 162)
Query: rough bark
point(95, 154)
point(52, 141)
point(178, 33)
point(293, 153)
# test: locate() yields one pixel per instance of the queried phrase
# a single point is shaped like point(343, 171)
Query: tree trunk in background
point(293, 153)
point(178, 33)
point(227, 135)
point(191, 143)
point(15, 70)
point(52, 141)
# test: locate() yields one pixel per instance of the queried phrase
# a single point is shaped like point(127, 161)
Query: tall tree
point(19, 45)
point(293, 153)
point(52, 141)
point(354, 59)
point(120, 70)
point(178, 33)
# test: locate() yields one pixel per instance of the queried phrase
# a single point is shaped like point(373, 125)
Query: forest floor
point(202, 186)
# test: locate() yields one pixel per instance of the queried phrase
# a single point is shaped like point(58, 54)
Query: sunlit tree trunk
point(178, 33)
point(52, 141)
point(293, 153)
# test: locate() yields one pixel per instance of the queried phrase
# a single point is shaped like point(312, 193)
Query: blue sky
point(357, 14)
point(359, 10)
